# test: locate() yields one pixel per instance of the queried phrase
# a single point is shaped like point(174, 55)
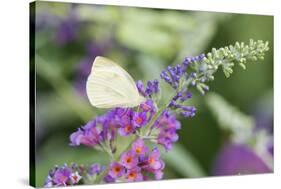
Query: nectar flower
point(139, 148)
point(89, 135)
point(129, 159)
point(154, 161)
point(116, 170)
point(127, 128)
point(134, 175)
point(139, 119)
point(137, 164)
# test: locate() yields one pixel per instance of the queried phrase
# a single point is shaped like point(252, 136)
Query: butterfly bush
point(151, 126)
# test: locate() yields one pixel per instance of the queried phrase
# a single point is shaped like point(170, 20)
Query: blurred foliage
point(144, 41)
point(230, 118)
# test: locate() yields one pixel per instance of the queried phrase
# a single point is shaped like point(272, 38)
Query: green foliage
point(183, 161)
point(230, 118)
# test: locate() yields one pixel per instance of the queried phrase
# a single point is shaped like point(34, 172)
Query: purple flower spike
point(116, 170)
point(139, 148)
point(134, 175)
point(129, 159)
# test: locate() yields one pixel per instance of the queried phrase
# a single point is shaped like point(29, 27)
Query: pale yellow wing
point(109, 86)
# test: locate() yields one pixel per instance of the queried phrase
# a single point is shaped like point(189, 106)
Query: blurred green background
point(144, 41)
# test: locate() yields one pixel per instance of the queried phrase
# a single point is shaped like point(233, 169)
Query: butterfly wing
point(109, 85)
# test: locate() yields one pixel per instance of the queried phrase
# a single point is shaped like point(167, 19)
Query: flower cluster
point(174, 75)
point(136, 164)
point(166, 128)
point(63, 176)
point(124, 121)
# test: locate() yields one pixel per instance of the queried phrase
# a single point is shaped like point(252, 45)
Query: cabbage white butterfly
point(109, 86)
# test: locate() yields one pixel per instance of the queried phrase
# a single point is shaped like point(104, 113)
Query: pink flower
point(129, 159)
point(139, 148)
point(134, 174)
point(116, 170)
point(139, 119)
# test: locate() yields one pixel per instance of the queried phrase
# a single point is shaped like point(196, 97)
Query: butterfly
point(110, 86)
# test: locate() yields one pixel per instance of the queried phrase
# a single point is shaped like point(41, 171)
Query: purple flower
point(141, 88)
point(182, 96)
point(62, 176)
point(116, 170)
point(139, 148)
point(127, 128)
point(137, 164)
point(102, 128)
point(173, 75)
point(167, 126)
point(153, 164)
point(148, 106)
point(188, 111)
point(134, 175)
point(139, 119)
point(108, 179)
point(237, 159)
point(89, 135)
point(154, 161)
point(129, 159)
point(94, 169)
point(152, 87)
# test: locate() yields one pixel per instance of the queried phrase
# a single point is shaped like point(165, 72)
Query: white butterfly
point(109, 86)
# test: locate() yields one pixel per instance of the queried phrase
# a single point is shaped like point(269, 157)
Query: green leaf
point(230, 118)
point(183, 161)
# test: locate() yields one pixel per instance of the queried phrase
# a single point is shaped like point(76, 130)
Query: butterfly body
point(109, 86)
